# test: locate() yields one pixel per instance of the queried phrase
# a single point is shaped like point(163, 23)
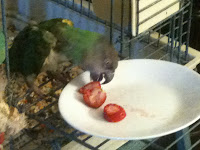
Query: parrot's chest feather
point(52, 62)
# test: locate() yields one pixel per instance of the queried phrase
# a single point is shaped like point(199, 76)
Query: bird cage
point(153, 29)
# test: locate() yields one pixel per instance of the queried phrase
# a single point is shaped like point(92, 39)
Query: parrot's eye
point(108, 64)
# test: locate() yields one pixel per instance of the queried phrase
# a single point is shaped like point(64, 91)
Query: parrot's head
point(102, 61)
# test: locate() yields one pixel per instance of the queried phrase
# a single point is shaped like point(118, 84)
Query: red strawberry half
point(95, 97)
point(114, 113)
point(90, 86)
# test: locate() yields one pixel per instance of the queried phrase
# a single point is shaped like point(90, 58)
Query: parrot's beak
point(98, 77)
point(108, 77)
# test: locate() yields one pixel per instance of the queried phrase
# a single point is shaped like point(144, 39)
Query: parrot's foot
point(38, 92)
point(57, 76)
point(61, 78)
point(30, 83)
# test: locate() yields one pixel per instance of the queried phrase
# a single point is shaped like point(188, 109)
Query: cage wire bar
point(127, 32)
point(176, 29)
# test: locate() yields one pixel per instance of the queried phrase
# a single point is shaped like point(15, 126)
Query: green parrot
point(44, 46)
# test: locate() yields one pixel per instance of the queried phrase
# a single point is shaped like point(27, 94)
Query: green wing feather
point(33, 51)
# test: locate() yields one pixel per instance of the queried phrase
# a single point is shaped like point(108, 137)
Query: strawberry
point(42, 125)
point(114, 113)
point(90, 86)
point(2, 137)
point(94, 97)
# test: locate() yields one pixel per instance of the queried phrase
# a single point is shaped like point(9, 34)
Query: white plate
point(159, 98)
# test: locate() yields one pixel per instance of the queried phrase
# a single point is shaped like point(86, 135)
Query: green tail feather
point(2, 46)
